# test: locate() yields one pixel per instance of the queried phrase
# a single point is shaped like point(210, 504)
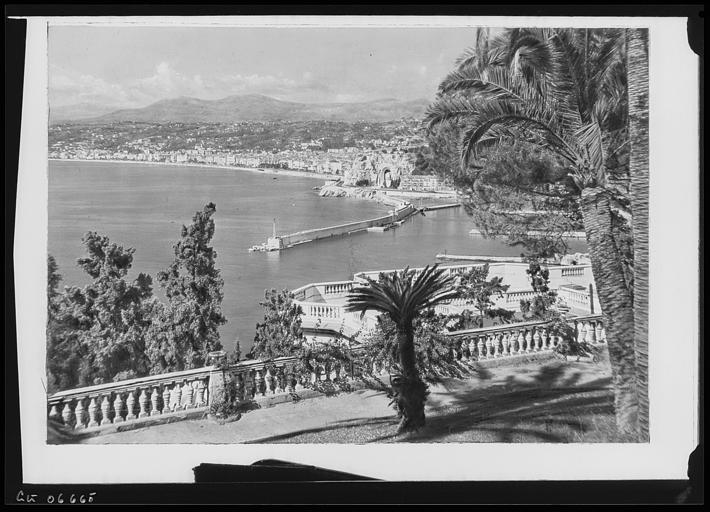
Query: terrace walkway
point(532, 400)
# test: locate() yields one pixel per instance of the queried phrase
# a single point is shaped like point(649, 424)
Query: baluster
point(67, 414)
point(166, 399)
point(496, 345)
point(131, 406)
point(259, 383)
point(580, 332)
point(506, 343)
point(598, 331)
point(200, 393)
point(528, 341)
point(155, 402)
point(465, 354)
point(80, 414)
point(281, 379)
point(589, 332)
point(93, 413)
point(298, 380)
point(472, 349)
point(521, 342)
point(143, 402)
point(177, 389)
point(186, 395)
point(117, 408)
point(489, 347)
point(536, 340)
point(269, 381)
point(345, 371)
point(543, 338)
point(105, 409)
point(238, 390)
point(334, 370)
point(603, 335)
point(54, 413)
point(244, 382)
point(480, 346)
point(253, 391)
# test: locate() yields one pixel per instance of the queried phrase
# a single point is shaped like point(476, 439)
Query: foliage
point(97, 333)
point(185, 330)
point(280, 334)
point(569, 344)
point(540, 306)
point(541, 115)
point(440, 156)
point(402, 296)
point(63, 356)
point(434, 349)
point(475, 287)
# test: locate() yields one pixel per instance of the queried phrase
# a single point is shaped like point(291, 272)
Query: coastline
point(283, 172)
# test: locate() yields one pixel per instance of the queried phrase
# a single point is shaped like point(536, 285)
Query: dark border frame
point(262, 486)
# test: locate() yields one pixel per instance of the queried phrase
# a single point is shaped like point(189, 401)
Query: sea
point(144, 207)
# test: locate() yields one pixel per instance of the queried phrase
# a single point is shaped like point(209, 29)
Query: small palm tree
point(402, 296)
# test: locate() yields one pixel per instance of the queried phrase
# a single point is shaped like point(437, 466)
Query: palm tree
point(563, 90)
point(637, 58)
point(402, 295)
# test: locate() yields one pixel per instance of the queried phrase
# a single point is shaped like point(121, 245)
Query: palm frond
point(493, 84)
point(401, 295)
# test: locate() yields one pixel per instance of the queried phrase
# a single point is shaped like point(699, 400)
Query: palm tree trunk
point(616, 303)
point(637, 66)
point(410, 390)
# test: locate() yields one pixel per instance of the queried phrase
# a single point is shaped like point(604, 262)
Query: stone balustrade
point(573, 271)
point(133, 400)
point(524, 338)
point(160, 395)
point(337, 289)
point(514, 297)
point(321, 310)
point(128, 400)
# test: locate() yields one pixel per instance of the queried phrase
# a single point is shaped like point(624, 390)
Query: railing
point(525, 338)
point(132, 400)
point(573, 271)
point(145, 397)
point(256, 379)
point(518, 295)
point(578, 298)
point(329, 290)
point(338, 288)
point(128, 400)
point(321, 310)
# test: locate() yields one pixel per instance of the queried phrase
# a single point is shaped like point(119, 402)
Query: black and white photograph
point(375, 234)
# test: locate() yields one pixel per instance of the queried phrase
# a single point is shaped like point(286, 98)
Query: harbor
point(403, 211)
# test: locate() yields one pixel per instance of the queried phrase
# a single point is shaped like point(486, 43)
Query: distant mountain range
point(251, 107)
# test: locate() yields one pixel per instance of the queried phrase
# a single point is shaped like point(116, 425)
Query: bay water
point(144, 206)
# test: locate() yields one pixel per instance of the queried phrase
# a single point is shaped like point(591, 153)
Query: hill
point(255, 107)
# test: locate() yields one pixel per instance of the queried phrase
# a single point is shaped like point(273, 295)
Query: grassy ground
point(531, 401)
point(555, 402)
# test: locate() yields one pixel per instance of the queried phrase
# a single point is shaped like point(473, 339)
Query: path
point(367, 407)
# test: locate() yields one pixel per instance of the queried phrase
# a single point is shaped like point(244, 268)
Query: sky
point(124, 67)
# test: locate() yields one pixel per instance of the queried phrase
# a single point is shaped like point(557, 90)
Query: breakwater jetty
point(401, 212)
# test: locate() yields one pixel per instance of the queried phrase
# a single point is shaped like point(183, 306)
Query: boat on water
point(258, 248)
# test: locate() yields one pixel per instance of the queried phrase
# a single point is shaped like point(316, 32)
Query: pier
point(403, 211)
